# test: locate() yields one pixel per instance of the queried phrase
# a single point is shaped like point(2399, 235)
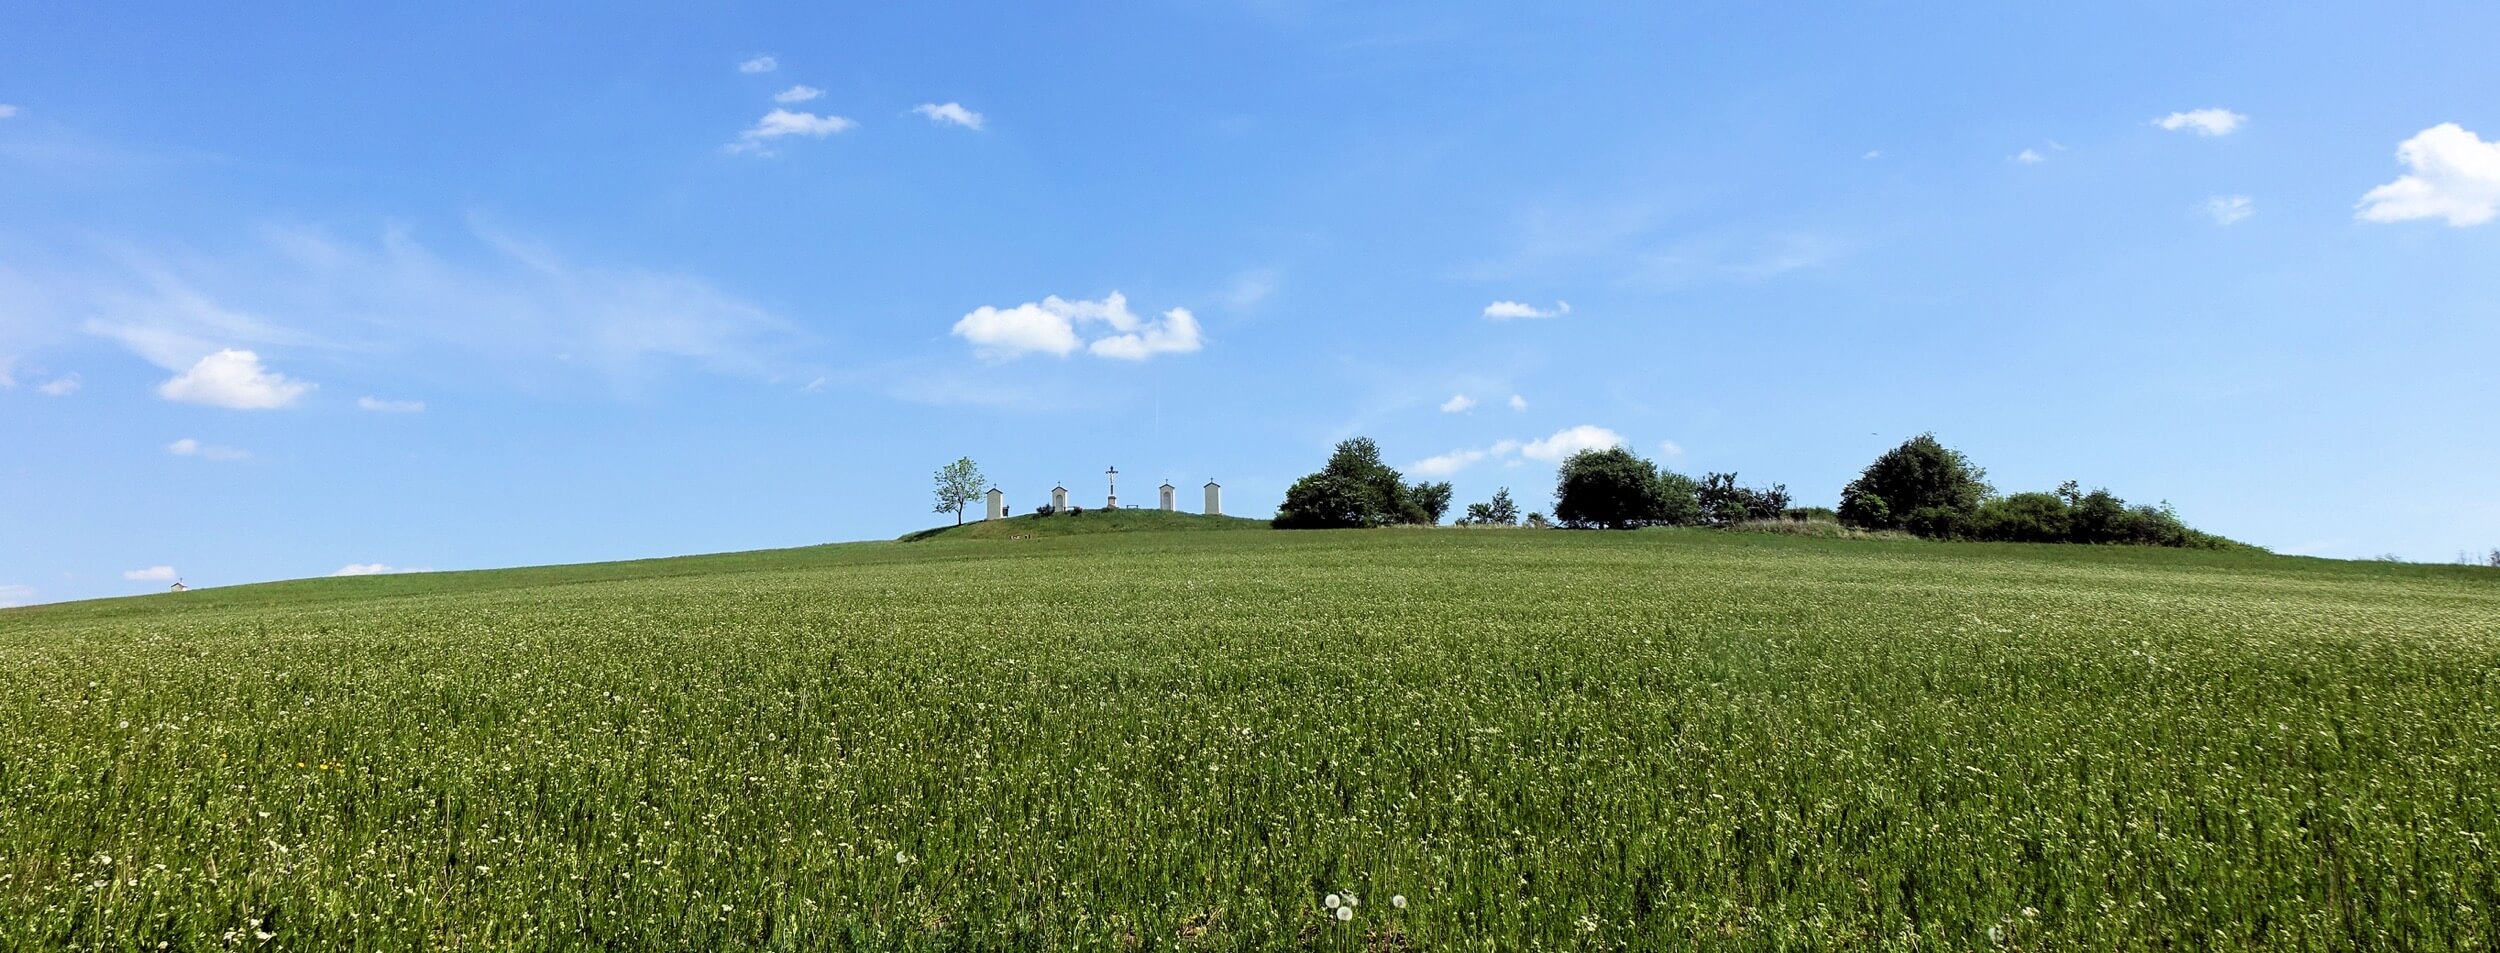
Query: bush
point(1723, 503)
point(1538, 521)
point(1432, 500)
point(1617, 489)
point(1921, 483)
point(1355, 489)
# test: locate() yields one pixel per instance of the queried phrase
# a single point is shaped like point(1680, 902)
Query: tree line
point(1920, 487)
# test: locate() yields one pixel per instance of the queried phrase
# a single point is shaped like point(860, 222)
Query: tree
point(1433, 499)
point(1500, 511)
point(1617, 489)
point(958, 484)
point(1354, 489)
point(1921, 485)
point(1724, 503)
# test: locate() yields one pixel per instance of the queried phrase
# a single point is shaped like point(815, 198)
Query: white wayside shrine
point(1058, 499)
point(1166, 499)
point(998, 504)
point(1112, 502)
point(1215, 499)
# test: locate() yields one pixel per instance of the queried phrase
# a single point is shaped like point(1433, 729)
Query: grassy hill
point(1191, 739)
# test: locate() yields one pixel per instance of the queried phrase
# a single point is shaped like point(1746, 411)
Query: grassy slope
point(1573, 738)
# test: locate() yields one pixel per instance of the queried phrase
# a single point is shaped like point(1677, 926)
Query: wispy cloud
point(1049, 326)
point(2452, 174)
point(61, 386)
point(1550, 449)
point(1518, 403)
point(13, 596)
point(797, 94)
point(7, 111)
point(2030, 157)
point(150, 574)
point(2228, 209)
point(781, 124)
point(1457, 403)
point(381, 406)
point(759, 64)
point(487, 297)
point(950, 114)
point(188, 447)
point(2203, 122)
point(1509, 310)
point(374, 569)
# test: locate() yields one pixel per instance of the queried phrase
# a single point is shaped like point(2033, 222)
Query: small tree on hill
point(1921, 485)
point(1430, 499)
point(1355, 489)
point(958, 484)
point(1615, 488)
point(1499, 511)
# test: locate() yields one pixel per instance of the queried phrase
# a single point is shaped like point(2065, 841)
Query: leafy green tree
point(1921, 485)
point(1617, 489)
point(1431, 499)
point(1724, 503)
point(958, 484)
point(1499, 511)
point(1354, 489)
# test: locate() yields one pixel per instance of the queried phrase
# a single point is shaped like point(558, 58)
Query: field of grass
point(1654, 740)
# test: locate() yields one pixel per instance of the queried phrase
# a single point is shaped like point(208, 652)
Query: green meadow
point(1474, 740)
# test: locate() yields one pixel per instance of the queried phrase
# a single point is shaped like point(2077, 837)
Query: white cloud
point(2030, 157)
point(1669, 448)
point(2229, 209)
point(949, 114)
point(1873, 154)
point(1049, 327)
point(1457, 403)
point(1518, 403)
point(1570, 441)
point(1447, 463)
point(187, 447)
point(8, 366)
point(2455, 175)
point(761, 64)
point(1177, 333)
point(783, 123)
point(1013, 332)
point(2203, 122)
point(381, 406)
point(233, 379)
point(374, 569)
point(12, 596)
point(62, 386)
point(1250, 288)
point(7, 111)
point(797, 94)
point(150, 574)
point(1506, 310)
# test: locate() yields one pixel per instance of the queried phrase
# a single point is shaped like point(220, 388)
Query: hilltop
point(1035, 526)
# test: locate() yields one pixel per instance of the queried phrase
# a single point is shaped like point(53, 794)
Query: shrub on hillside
point(1432, 500)
point(1723, 503)
point(1353, 490)
point(1921, 485)
point(1615, 488)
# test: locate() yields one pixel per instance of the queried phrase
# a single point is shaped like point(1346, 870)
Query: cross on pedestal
point(1114, 475)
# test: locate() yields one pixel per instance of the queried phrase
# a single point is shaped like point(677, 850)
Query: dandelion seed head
point(1333, 901)
point(1398, 901)
point(1345, 914)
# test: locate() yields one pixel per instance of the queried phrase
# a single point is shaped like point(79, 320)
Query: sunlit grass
point(1471, 740)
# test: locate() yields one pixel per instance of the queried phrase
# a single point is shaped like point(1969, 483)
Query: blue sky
point(283, 294)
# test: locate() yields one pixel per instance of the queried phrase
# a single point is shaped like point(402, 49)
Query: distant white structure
point(1113, 501)
point(179, 587)
point(1215, 499)
point(1058, 498)
point(998, 504)
point(1167, 498)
